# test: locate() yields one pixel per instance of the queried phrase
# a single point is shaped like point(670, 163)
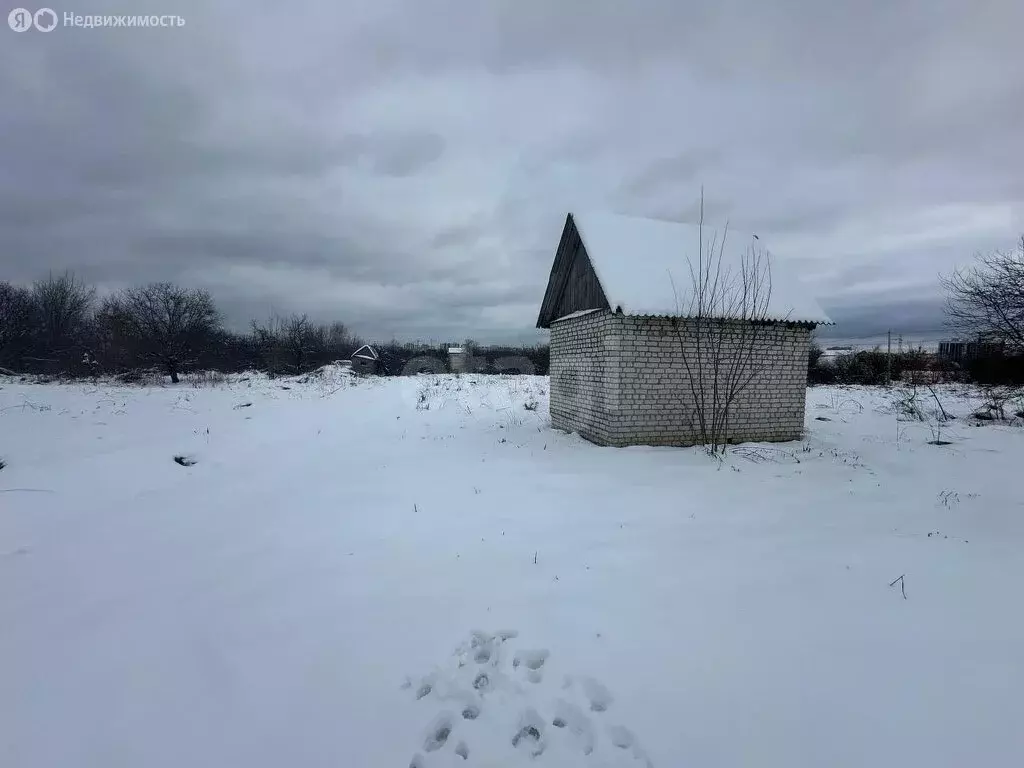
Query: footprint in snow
point(483, 647)
point(600, 698)
point(624, 739)
point(423, 689)
point(530, 735)
point(532, 661)
point(482, 682)
point(621, 736)
point(473, 684)
point(438, 732)
point(572, 719)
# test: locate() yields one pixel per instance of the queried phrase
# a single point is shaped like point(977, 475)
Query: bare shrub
point(908, 406)
point(141, 377)
point(204, 379)
point(721, 331)
point(996, 400)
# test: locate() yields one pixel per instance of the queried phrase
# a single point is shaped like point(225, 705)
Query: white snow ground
point(324, 586)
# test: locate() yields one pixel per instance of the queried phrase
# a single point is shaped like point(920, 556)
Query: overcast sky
point(406, 165)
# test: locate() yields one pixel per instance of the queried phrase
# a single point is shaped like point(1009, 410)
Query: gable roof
point(644, 267)
point(366, 352)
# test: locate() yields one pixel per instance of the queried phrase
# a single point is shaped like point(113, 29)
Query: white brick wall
point(582, 387)
point(626, 380)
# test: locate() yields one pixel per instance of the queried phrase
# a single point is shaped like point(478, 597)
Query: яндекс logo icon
point(45, 19)
point(22, 19)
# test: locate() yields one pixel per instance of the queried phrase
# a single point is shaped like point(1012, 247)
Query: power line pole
point(888, 359)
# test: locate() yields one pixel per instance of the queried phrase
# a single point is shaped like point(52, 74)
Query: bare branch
point(986, 300)
point(722, 330)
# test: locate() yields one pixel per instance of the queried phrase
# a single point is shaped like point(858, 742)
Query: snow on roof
point(455, 350)
point(572, 315)
point(644, 266)
point(366, 352)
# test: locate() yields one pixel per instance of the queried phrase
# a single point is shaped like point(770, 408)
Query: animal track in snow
point(438, 732)
point(530, 736)
point(572, 719)
point(483, 647)
point(621, 737)
point(482, 682)
point(497, 703)
point(423, 689)
point(533, 661)
point(600, 698)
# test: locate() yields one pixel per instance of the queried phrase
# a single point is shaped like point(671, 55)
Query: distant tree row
point(984, 304)
point(58, 326)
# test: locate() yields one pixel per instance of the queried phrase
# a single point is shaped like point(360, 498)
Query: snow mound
point(332, 373)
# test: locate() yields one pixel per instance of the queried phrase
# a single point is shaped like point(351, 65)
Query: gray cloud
point(406, 165)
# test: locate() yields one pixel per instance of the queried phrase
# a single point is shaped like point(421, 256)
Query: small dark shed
point(365, 360)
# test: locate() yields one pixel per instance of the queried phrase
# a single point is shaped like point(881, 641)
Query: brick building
point(648, 332)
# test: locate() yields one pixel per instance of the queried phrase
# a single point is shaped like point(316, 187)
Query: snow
point(644, 266)
point(315, 591)
point(579, 313)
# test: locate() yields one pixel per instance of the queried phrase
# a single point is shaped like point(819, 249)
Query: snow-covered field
point(419, 571)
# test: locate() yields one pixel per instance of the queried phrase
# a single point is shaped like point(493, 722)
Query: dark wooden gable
point(573, 285)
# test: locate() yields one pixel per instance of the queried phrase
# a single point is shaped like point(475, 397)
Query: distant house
point(365, 360)
point(623, 336)
point(458, 359)
point(964, 351)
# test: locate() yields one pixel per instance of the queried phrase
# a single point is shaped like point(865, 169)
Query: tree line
point(59, 326)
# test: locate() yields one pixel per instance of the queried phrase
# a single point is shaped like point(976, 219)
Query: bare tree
point(721, 327)
point(162, 322)
point(288, 343)
point(15, 321)
point(986, 301)
point(62, 305)
point(340, 342)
